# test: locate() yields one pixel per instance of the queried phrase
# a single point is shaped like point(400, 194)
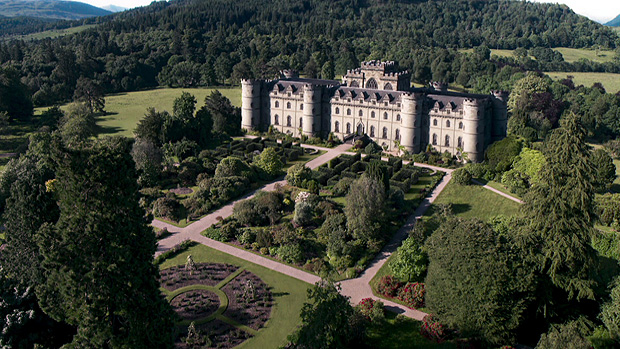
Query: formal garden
point(331, 220)
point(201, 184)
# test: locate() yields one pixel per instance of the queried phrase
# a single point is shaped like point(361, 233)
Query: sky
point(599, 10)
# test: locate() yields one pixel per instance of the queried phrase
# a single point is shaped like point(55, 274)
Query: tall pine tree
point(98, 256)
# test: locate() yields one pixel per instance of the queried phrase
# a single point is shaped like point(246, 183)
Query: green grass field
point(51, 34)
point(125, 110)
point(473, 201)
point(289, 295)
point(610, 81)
point(570, 54)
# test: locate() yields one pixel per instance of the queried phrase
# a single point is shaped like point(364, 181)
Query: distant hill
point(614, 22)
point(114, 8)
point(49, 9)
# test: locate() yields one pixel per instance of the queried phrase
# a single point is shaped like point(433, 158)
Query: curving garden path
point(357, 288)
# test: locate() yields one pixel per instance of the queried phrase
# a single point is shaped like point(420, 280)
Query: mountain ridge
point(50, 9)
point(614, 22)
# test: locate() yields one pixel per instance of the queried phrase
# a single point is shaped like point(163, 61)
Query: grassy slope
point(51, 34)
point(126, 109)
point(289, 295)
point(610, 81)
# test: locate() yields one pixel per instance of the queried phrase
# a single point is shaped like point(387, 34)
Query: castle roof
point(295, 84)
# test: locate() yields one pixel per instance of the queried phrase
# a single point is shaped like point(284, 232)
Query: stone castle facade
point(377, 100)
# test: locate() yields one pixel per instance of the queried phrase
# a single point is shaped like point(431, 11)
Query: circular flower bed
point(195, 305)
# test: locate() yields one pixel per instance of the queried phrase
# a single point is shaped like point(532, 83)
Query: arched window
point(371, 84)
point(288, 105)
point(385, 115)
point(435, 122)
point(459, 142)
point(372, 114)
point(361, 113)
point(301, 122)
point(397, 117)
point(276, 120)
point(348, 111)
point(388, 86)
point(397, 136)
point(337, 110)
point(372, 131)
point(447, 143)
point(301, 106)
point(447, 123)
point(460, 125)
point(385, 132)
point(434, 139)
point(354, 84)
point(277, 104)
point(337, 127)
point(348, 127)
point(288, 121)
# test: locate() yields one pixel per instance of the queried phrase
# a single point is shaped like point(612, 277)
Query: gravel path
point(357, 288)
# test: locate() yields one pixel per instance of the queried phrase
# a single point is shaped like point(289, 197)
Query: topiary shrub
point(388, 286)
point(168, 208)
point(413, 294)
point(372, 310)
point(461, 176)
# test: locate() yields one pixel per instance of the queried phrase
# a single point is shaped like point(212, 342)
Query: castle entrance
point(360, 129)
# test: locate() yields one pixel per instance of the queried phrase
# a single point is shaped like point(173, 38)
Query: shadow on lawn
point(460, 208)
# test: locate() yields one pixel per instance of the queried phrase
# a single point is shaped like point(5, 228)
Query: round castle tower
point(410, 134)
point(473, 133)
point(312, 110)
point(250, 104)
point(500, 115)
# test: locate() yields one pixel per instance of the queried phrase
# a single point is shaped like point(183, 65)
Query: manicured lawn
point(289, 295)
point(125, 110)
point(473, 201)
point(401, 333)
point(610, 81)
point(498, 186)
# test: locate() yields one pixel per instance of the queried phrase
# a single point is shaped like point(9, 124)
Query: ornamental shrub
point(168, 208)
point(461, 176)
point(413, 294)
point(297, 174)
point(432, 329)
point(372, 310)
point(388, 286)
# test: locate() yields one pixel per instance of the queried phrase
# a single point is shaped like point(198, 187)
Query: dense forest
point(193, 43)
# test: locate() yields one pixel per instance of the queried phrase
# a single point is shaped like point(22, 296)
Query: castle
point(377, 100)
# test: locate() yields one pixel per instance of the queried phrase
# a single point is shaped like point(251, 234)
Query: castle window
point(447, 123)
point(372, 114)
point(397, 117)
point(385, 116)
point(459, 142)
point(301, 122)
point(301, 106)
point(371, 84)
point(386, 104)
point(337, 110)
point(348, 127)
point(288, 105)
point(276, 120)
point(447, 143)
point(288, 121)
point(348, 111)
point(277, 104)
point(448, 111)
point(460, 125)
point(337, 127)
point(397, 136)
point(435, 122)
point(361, 113)
point(434, 139)
point(388, 86)
point(288, 94)
point(361, 101)
point(372, 131)
point(398, 105)
point(385, 132)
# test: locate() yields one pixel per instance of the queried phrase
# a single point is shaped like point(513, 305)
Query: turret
point(411, 122)
point(500, 115)
point(312, 110)
point(473, 132)
point(250, 104)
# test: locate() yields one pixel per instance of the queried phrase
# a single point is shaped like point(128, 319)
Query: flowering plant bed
point(219, 305)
